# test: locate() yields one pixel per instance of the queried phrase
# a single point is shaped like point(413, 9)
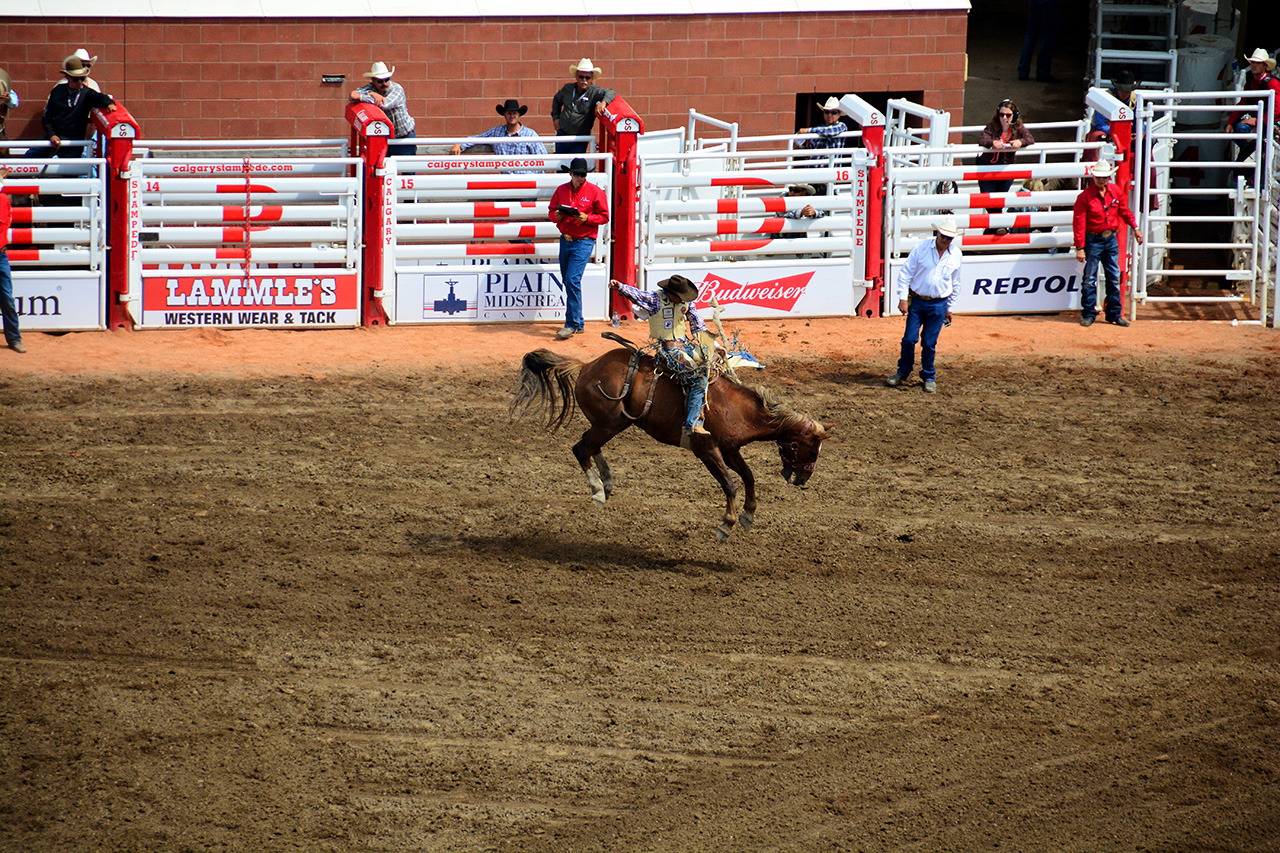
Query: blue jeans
point(572, 147)
point(1042, 29)
point(1244, 147)
point(1107, 251)
point(574, 255)
point(924, 321)
point(394, 150)
point(12, 334)
point(694, 381)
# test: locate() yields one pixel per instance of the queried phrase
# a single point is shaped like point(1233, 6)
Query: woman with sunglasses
point(1004, 135)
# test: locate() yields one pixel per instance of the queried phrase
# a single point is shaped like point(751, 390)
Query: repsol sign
point(1013, 285)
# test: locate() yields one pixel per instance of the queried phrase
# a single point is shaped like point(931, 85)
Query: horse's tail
point(547, 382)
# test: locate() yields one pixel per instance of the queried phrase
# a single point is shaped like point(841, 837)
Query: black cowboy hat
point(512, 104)
point(680, 289)
point(578, 166)
point(1124, 80)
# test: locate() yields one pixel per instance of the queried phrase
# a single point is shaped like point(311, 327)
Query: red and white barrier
point(263, 242)
point(58, 250)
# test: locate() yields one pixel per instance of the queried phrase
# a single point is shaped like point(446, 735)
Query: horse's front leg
point(606, 473)
point(733, 457)
point(587, 449)
point(710, 456)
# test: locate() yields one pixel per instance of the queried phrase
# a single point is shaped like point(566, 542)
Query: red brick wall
point(200, 78)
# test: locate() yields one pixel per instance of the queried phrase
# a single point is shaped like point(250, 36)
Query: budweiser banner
point(775, 291)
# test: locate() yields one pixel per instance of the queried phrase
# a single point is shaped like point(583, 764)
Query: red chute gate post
point(370, 135)
point(119, 129)
point(620, 133)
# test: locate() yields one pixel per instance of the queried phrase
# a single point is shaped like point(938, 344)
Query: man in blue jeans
point(578, 209)
point(1095, 224)
point(9, 310)
point(926, 288)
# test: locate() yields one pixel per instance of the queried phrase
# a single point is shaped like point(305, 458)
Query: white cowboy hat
point(379, 71)
point(1102, 169)
point(947, 227)
point(1261, 55)
point(83, 56)
point(832, 103)
point(584, 65)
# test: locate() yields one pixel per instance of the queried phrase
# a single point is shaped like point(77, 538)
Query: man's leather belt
point(1103, 234)
point(920, 298)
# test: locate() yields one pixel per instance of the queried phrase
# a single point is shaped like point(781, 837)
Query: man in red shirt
point(12, 335)
point(1261, 76)
point(1095, 224)
point(577, 237)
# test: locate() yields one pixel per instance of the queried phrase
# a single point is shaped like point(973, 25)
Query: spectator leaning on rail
point(1095, 223)
point(66, 114)
point(87, 61)
point(577, 208)
point(1004, 135)
point(1261, 76)
point(380, 90)
point(574, 108)
point(514, 139)
point(927, 286)
point(828, 138)
point(8, 309)
point(8, 100)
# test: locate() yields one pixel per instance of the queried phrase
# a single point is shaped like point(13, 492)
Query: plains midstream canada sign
point(486, 294)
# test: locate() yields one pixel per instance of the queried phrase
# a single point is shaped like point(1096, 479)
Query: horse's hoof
point(722, 533)
point(745, 519)
point(599, 500)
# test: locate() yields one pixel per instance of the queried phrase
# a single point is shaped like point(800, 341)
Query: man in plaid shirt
point(393, 101)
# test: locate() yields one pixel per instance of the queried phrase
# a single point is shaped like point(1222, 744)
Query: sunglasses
point(831, 112)
point(586, 76)
point(1006, 115)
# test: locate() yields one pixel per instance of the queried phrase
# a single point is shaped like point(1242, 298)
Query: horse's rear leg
point(715, 464)
point(733, 458)
point(588, 448)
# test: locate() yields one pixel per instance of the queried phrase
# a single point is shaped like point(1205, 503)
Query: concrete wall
point(242, 78)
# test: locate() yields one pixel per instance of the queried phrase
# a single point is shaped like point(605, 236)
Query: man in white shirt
point(926, 289)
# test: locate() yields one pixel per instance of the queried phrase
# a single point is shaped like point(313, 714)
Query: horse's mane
point(780, 414)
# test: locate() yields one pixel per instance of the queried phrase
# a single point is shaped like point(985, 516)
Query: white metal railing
point(57, 242)
point(1210, 186)
point(470, 238)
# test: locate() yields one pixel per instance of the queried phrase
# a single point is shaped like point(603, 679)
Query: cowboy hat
point(578, 166)
point(83, 56)
point(947, 227)
point(803, 189)
point(1102, 169)
point(1261, 55)
point(680, 289)
point(1124, 79)
point(379, 71)
point(512, 105)
point(73, 67)
point(831, 103)
point(584, 65)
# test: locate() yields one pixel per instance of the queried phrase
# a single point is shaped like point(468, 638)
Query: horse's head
point(799, 451)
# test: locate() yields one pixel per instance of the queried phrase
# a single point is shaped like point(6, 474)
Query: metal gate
point(469, 240)
point(57, 245)
point(264, 242)
point(1205, 175)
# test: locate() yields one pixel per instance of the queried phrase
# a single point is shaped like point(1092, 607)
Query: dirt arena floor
point(314, 591)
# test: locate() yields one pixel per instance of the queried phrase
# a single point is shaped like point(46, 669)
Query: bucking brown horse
point(619, 389)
